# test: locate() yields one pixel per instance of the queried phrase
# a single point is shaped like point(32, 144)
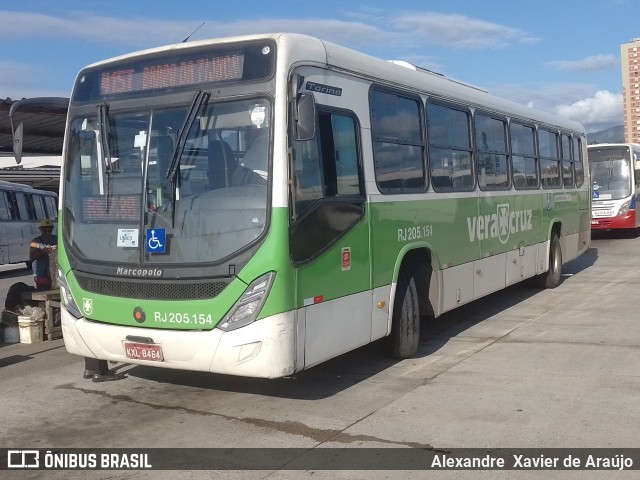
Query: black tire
point(405, 325)
point(551, 278)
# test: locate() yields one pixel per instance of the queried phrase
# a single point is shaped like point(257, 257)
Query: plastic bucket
point(11, 334)
point(31, 331)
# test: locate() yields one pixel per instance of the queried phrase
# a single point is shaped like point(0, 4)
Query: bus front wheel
point(551, 278)
point(405, 324)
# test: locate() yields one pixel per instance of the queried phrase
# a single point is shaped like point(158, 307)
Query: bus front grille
point(151, 289)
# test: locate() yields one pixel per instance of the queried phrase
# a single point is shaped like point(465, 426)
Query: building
point(630, 59)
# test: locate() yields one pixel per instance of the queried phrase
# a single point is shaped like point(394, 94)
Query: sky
point(560, 56)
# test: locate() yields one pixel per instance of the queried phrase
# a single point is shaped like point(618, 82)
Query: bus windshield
point(167, 185)
point(610, 173)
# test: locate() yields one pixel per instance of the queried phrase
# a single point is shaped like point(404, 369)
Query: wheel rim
point(555, 260)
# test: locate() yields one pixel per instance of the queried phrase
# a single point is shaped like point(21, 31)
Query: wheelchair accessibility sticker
point(156, 240)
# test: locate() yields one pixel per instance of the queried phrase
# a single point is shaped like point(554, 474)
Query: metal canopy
point(42, 121)
point(40, 124)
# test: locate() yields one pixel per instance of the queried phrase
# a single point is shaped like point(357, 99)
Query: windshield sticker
point(156, 240)
point(140, 140)
point(127, 237)
point(258, 115)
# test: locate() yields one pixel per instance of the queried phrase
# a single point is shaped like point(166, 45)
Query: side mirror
point(18, 134)
point(305, 117)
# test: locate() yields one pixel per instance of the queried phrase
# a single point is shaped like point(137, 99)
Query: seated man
point(39, 254)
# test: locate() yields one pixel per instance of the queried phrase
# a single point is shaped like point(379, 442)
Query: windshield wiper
point(173, 172)
point(103, 131)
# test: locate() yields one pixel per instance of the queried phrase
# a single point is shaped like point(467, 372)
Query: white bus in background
point(615, 181)
point(21, 209)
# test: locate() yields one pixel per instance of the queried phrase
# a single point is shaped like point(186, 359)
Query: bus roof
point(600, 145)
point(312, 49)
point(23, 187)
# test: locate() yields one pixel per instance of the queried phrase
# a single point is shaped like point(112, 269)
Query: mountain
point(610, 135)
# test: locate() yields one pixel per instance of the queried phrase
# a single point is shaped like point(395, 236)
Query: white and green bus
point(257, 205)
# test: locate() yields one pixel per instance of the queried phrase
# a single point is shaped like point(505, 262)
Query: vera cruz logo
point(500, 224)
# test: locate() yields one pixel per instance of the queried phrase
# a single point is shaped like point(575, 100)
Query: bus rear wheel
point(405, 324)
point(551, 278)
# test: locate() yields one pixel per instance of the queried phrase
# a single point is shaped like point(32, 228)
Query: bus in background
point(21, 209)
point(615, 183)
point(257, 205)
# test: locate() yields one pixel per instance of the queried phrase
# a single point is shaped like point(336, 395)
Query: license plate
point(143, 351)
point(602, 213)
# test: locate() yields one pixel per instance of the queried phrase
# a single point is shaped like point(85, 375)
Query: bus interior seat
point(222, 164)
point(245, 176)
point(257, 156)
point(163, 146)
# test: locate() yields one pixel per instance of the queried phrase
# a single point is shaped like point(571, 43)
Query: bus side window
point(327, 166)
point(549, 158)
point(328, 191)
point(52, 207)
point(5, 213)
point(578, 165)
point(22, 203)
point(524, 161)
point(492, 159)
point(567, 161)
point(441, 173)
point(344, 164)
point(38, 206)
point(388, 161)
point(398, 142)
point(449, 140)
point(5, 210)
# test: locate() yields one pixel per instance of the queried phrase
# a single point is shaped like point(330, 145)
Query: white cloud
point(459, 31)
point(146, 32)
point(602, 110)
point(591, 63)
point(584, 103)
point(338, 31)
point(406, 33)
point(93, 28)
point(370, 28)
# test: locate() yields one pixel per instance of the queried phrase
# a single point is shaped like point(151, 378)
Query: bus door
point(329, 238)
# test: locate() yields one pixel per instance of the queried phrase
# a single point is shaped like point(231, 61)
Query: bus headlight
point(624, 208)
point(246, 309)
point(67, 298)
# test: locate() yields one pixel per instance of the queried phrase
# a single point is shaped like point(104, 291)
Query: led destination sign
point(177, 74)
point(175, 70)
